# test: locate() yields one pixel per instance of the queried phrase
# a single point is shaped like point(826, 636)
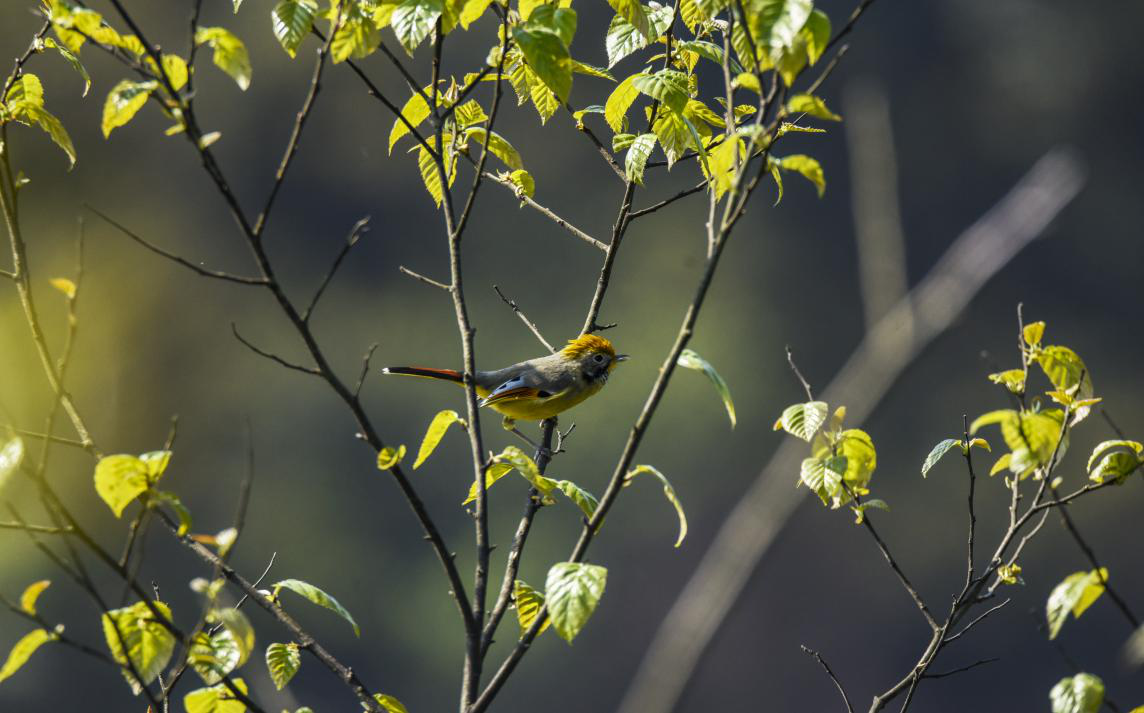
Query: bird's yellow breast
point(536, 409)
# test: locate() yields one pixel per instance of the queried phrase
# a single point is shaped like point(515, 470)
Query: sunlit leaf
point(547, 55)
point(292, 21)
point(498, 146)
point(124, 101)
point(803, 420)
point(860, 509)
point(528, 604)
point(73, 60)
point(1114, 459)
point(582, 498)
point(413, 20)
point(808, 167)
point(134, 633)
point(31, 593)
point(572, 591)
point(495, 472)
point(473, 9)
point(435, 433)
point(1075, 594)
point(388, 457)
point(389, 704)
point(214, 656)
point(317, 596)
point(937, 453)
point(621, 98)
point(1082, 693)
point(283, 661)
point(527, 467)
point(812, 106)
point(637, 157)
point(23, 650)
point(216, 699)
point(119, 479)
point(691, 360)
point(1033, 333)
point(1011, 379)
point(668, 492)
point(524, 183)
point(666, 86)
point(358, 36)
point(816, 31)
point(635, 14)
point(415, 111)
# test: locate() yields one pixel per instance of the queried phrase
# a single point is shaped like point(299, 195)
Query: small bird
point(539, 388)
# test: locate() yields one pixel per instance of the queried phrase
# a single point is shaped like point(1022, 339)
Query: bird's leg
point(510, 425)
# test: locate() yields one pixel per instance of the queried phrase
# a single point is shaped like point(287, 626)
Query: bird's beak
point(622, 357)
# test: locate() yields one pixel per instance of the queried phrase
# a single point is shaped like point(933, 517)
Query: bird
point(540, 388)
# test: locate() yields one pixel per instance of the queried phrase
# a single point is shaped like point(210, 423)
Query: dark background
point(979, 89)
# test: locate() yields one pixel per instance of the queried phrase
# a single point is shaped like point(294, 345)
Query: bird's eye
point(598, 358)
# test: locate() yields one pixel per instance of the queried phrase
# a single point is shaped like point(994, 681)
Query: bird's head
point(594, 354)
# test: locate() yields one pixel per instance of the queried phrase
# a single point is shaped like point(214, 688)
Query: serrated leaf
point(473, 9)
point(545, 101)
point(1075, 594)
point(435, 433)
point(230, 53)
point(73, 60)
point(469, 114)
point(1104, 447)
point(668, 492)
point(1033, 333)
point(317, 596)
point(524, 183)
point(803, 420)
point(1082, 693)
point(498, 146)
point(292, 21)
point(808, 167)
point(936, 454)
point(283, 661)
point(1067, 372)
point(216, 699)
point(666, 86)
point(23, 650)
point(621, 98)
point(812, 106)
point(239, 627)
point(710, 51)
point(775, 24)
point(119, 479)
point(817, 33)
point(582, 498)
point(123, 102)
point(1011, 379)
point(415, 111)
point(690, 359)
point(637, 157)
point(134, 633)
point(388, 457)
point(548, 57)
point(528, 605)
point(635, 14)
point(358, 36)
point(860, 509)
point(591, 71)
point(572, 591)
point(213, 656)
point(523, 464)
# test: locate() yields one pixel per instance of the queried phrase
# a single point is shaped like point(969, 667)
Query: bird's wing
point(518, 387)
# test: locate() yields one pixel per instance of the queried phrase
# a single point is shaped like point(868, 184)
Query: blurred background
point(977, 91)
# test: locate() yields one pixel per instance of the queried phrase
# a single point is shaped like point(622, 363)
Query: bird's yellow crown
point(587, 344)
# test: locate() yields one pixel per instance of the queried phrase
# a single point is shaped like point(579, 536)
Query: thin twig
point(826, 667)
point(273, 357)
point(962, 669)
point(523, 318)
point(359, 228)
point(427, 280)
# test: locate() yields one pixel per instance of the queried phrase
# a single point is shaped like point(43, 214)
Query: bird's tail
point(442, 374)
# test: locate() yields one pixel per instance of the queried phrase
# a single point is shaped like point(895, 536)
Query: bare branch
point(359, 228)
point(273, 357)
point(205, 272)
point(826, 667)
point(547, 212)
point(427, 280)
point(523, 318)
point(975, 622)
point(961, 669)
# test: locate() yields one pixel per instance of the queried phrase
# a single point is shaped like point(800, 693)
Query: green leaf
point(619, 101)
point(389, 457)
point(545, 101)
point(572, 591)
point(317, 596)
point(1114, 460)
point(692, 14)
point(216, 699)
point(812, 106)
point(498, 146)
point(583, 499)
point(591, 71)
point(817, 34)
point(622, 39)
point(775, 24)
point(528, 605)
point(856, 446)
point(469, 114)
point(1075, 593)
point(415, 111)
point(214, 656)
point(436, 431)
point(124, 101)
point(808, 167)
point(181, 512)
point(561, 20)
point(230, 53)
point(389, 704)
point(134, 633)
point(1033, 333)
point(709, 51)
point(1082, 693)
point(691, 360)
point(1011, 379)
point(72, 60)
point(292, 21)
point(667, 86)
point(721, 173)
point(119, 479)
point(283, 661)
point(861, 508)
point(803, 420)
point(495, 472)
point(31, 593)
point(27, 90)
point(527, 467)
point(936, 454)
point(473, 10)
point(51, 125)
point(548, 56)
point(668, 492)
point(635, 14)
point(1068, 374)
point(238, 626)
point(358, 36)
point(427, 166)
point(522, 180)
point(638, 154)
point(413, 20)
point(23, 650)
point(1001, 464)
